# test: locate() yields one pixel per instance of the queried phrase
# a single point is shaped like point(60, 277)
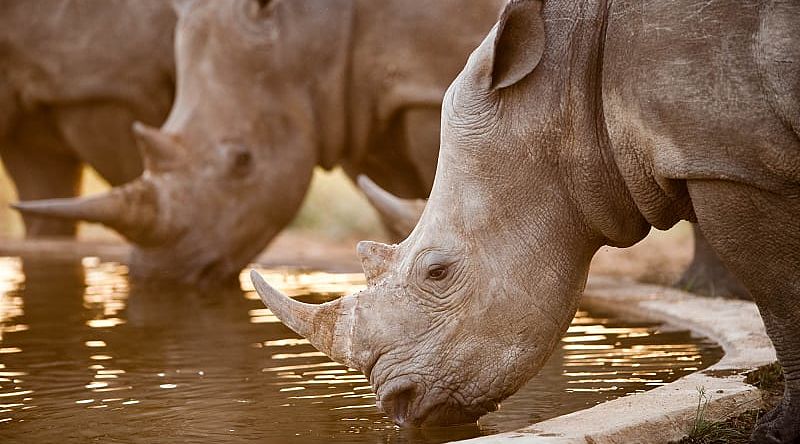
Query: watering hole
point(83, 358)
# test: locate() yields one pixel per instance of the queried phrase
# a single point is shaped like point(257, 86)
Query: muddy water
point(83, 358)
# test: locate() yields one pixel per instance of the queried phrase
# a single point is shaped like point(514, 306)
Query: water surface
point(85, 358)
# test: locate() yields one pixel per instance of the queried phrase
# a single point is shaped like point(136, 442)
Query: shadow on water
point(85, 358)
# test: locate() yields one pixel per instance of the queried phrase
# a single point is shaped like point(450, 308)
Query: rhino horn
point(160, 151)
point(400, 214)
point(375, 258)
point(328, 327)
point(130, 209)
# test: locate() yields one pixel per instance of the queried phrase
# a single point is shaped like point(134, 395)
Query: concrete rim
point(665, 413)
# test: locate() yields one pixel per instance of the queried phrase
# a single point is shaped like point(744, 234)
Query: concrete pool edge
point(665, 413)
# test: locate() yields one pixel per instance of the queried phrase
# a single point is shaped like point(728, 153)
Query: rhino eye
point(437, 272)
point(257, 7)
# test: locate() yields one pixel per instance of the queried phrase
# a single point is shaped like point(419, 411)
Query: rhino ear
point(518, 43)
point(513, 48)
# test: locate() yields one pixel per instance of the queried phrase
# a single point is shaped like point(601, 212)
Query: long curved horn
point(401, 215)
point(328, 327)
point(130, 209)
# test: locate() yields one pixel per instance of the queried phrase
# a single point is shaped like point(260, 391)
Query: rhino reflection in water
point(266, 90)
point(576, 125)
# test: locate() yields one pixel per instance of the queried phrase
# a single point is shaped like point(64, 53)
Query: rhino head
point(230, 166)
point(463, 312)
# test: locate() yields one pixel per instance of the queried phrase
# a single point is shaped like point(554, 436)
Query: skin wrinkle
point(552, 275)
point(532, 234)
point(443, 302)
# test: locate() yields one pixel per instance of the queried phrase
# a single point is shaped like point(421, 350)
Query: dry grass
point(10, 223)
point(336, 209)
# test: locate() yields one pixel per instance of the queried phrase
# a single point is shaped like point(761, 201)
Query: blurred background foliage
point(334, 209)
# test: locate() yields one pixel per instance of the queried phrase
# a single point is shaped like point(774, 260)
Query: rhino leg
point(707, 274)
point(757, 236)
point(39, 174)
point(101, 136)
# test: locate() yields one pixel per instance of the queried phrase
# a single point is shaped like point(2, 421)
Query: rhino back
point(60, 50)
point(702, 90)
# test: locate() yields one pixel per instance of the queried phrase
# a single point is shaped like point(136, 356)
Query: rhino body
point(74, 76)
point(265, 92)
point(576, 125)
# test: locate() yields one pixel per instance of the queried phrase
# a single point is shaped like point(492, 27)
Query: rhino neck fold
point(593, 177)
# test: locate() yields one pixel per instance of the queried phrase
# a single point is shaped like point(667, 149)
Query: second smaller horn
point(399, 215)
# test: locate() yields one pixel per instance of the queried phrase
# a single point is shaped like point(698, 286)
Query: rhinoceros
point(575, 125)
point(705, 275)
point(267, 90)
point(74, 76)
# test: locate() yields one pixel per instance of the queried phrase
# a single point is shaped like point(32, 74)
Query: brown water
point(83, 359)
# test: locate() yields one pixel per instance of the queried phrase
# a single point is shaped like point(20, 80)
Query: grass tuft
point(709, 432)
point(736, 430)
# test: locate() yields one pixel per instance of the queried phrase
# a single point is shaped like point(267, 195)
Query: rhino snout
point(411, 405)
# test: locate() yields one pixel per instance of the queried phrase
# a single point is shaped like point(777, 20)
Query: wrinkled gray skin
point(267, 90)
point(571, 127)
point(74, 76)
point(705, 275)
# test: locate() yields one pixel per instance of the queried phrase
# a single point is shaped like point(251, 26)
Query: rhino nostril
point(209, 269)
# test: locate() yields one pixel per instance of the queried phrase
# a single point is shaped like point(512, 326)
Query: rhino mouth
point(410, 405)
point(398, 403)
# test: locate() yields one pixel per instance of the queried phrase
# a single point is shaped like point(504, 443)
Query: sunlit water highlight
point(83, 358)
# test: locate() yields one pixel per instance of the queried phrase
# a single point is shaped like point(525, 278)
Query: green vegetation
point(768, 377)
point(709, 432)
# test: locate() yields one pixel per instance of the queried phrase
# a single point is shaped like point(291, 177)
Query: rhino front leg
point(707, 274)
point(101, 136)
point(43, 175)
point(757, 235)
